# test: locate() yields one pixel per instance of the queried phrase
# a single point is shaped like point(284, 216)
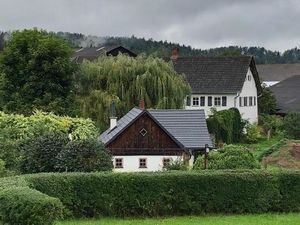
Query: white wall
point(249, 113)
point(131, 163)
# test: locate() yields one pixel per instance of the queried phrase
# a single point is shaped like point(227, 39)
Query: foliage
point(15, 128)
point(271, 124)
point(127, 80)
point(36, 73)
point(268, 151)
point(177, 165)
point(84, 156)
point(253, 133)
point(39, 153)
point(228, 157)
point(291, 124)
point(267, 101)
point(226, 126)
point(21, 205)
point(2, 167)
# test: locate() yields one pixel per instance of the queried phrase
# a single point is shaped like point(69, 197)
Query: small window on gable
point(209, 101)
point(202, 101)
point(217, 101)
point(254, 100)
point(118, 162)
point(224, 101)
point(250, 101)
point(143, 163)
point(166, 162)
point(245, 101)
point(249, 77)
point(195, 101)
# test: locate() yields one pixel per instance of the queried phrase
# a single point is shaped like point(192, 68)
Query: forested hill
point(163, 48)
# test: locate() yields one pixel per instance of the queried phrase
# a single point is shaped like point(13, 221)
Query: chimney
point(175, 53)
point(113, 118)
point(142, 104)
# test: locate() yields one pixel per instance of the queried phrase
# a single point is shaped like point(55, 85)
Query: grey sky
point(274, 24)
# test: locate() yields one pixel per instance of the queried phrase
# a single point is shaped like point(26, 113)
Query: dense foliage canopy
point(291, 124)
point(267, 102)
point(126, 81)
point(36, 73)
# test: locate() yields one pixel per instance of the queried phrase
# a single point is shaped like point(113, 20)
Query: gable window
point(195, 101)
point(217, 101)
point(209, 101)
point(166, 162)
point(250, 101)
point(241, 101)
point(143, 163)
point(224, 101)
point(245, 101)
point(202, 101)
point(249, 77)
point(254, 100)
point(143, 132)
point(118, 162)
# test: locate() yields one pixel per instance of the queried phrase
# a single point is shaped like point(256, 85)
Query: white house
point(149, 140)
point(221, 83)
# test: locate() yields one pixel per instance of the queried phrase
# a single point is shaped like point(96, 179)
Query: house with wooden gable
point(221, 83)
point(149, 140)
point(92, 53)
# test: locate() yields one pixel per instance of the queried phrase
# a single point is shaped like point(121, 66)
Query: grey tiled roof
point(278, 72)
point(216, 75)
point(187, 127)
point(287, 94)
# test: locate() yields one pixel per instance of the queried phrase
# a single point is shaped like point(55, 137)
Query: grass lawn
point(261, 219)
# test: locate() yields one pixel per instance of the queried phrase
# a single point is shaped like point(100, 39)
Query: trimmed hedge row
point(180, 193)
point(146, 194)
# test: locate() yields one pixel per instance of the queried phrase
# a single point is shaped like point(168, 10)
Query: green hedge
point(24, 206)
point(180, 193)
point(146, 194)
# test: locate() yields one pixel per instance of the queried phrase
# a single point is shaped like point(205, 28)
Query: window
point(217, 101)
point(195, 101)
point(143, 163)
point(254, 100)
point(245, 101)
point(224, 101)
point(202, 101)
point(249, 77)
point(209, 101)
point(166, 162)
point(143, 132)
point(118, 162)
point(250, 101)
point(241, 101)
point(188, 100)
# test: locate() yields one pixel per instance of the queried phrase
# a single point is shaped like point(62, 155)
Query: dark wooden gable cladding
point(144, 137)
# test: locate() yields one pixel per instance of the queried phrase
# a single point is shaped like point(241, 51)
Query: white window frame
point(217, 99)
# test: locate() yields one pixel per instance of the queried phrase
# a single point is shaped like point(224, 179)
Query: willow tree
point(126, 81)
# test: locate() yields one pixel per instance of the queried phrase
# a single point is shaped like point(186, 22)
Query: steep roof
point(287, 94)
point(92, 53)
point(278, 72)
point(216, 75)
point(186, 127)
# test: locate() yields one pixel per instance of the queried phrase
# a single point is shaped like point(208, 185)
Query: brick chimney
point(142, 104)
point(175, 53)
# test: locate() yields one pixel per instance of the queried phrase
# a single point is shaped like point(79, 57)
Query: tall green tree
point(267, 102)
point(36, 73)
point(126, 81)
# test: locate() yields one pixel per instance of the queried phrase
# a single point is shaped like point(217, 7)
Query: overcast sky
point(274, 24)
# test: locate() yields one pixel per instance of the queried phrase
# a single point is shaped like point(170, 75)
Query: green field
point(262, 219)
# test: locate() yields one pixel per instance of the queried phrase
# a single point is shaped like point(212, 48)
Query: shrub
point(177, 165)
point(226, 126)
point(271, 124)
point(39, 153)
point(21, 205)
point(291, 124)
point(253, 133)
point(84, 156)
point(229, 157)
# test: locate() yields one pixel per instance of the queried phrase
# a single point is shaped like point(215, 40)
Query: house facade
point(149, 140)
point(221, 83)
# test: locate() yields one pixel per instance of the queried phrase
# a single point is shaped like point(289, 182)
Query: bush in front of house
point(291, 124)
point(228, 157)
point(39, 153)
point(253, 133)
point(21, 205)
point(84, 156)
